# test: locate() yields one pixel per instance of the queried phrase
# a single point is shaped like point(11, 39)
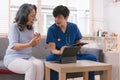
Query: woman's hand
point(36, 39)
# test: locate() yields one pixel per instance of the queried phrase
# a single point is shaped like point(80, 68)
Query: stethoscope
point(67, 36)
point(58, 39)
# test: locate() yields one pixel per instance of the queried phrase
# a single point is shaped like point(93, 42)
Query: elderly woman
point(22, 38)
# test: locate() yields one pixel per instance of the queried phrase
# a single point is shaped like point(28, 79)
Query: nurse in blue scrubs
point(61, 34)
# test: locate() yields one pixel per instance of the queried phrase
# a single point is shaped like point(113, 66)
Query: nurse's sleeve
point(78, 34)
point(13, 36)
point(50, 36)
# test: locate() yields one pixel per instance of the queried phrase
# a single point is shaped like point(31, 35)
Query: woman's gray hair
point(22, 16)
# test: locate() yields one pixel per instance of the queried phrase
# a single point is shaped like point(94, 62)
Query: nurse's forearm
point(54, 51)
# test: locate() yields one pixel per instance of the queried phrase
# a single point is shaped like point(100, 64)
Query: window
point(79, 14)
point(4, 18)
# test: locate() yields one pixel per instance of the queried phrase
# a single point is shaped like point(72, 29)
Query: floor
point(97, 77)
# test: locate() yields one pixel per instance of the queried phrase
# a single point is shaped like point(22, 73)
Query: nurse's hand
point(80, 47)
point(62, 49)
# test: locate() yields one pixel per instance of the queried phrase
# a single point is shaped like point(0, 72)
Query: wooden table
point(80, 66)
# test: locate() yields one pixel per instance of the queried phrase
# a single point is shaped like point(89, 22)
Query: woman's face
point(31, 17)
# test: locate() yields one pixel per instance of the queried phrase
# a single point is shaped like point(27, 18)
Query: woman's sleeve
point(13, 36)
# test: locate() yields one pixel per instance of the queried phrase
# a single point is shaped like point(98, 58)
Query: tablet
point(80, 44)
point(68, 55)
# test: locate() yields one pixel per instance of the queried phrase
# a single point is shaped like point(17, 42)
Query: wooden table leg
point(47, 73)
point(85, 75)
point(62, 76)
point(107, 75)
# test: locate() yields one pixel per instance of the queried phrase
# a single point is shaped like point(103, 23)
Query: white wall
point(98, 9)
point(98, 16)
point(112, 16)
point(106, 16)
point(112, 19)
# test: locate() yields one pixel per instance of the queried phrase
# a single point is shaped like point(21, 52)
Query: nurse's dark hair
point(21, 17)
point(61, 10)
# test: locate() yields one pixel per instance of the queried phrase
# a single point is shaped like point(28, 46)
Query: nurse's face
point(60, 20)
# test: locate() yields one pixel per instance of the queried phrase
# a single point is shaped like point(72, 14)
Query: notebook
point(69, 55)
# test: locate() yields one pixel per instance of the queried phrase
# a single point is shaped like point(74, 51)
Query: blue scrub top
point(60, 38)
